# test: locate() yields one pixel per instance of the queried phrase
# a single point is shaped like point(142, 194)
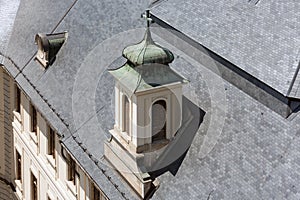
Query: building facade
point(36, 166)
point(56, 111)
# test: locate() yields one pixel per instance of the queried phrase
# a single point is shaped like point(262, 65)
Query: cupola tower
point(148, 111)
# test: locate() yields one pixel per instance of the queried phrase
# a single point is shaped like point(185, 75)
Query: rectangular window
point(33, 119)
point(51, 142)
point(18, 99)
point(34, 187)
point(71, 170)
point(96, 194)
point(18, 167)
point(126, 113)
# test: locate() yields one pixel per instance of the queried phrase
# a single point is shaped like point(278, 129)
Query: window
point(18, 167)
point(71, 171)
point(33, 119)
point(126, 115)
point(18, 99)
point(51, 142)
point(72, 176)
point(159, 120)
point(49, 197)
point(33, 187)
point(96, 194)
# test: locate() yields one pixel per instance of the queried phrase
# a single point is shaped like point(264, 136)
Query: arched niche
point(159, 120)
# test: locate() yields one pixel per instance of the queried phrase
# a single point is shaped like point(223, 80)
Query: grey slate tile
point(262, 40)
point(254, 153)
point(8, 12)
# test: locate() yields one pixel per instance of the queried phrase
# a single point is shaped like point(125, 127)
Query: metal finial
point(147, 15)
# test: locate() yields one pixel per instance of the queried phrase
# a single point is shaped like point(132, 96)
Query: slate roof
point(88, 24)
point(243, 150)
point(8, 11)
point(262, 39)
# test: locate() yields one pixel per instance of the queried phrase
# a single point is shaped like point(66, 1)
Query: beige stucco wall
point(2, 166)
point(6, 137)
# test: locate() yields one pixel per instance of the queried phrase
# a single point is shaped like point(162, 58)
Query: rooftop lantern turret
point(148, 111)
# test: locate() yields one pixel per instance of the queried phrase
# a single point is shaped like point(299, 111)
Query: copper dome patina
point(147, 51)
point(147, 65)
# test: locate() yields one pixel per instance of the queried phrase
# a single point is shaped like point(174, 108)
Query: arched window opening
point(159, 120)
point(126, 114)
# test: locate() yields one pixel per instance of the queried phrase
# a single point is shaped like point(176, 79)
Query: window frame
point(95, 191)
point(71, 171)
point(96, 194)
point(18, 166)
point(126, 114)
point(17, 107)
point(159, 136)
point(33, 187)
point(33, 119)
point(51, 142)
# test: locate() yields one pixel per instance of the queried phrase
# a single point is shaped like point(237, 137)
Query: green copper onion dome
point(147, 51)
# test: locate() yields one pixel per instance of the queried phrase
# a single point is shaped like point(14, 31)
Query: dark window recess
point(71, 171)
point(34, 187)
point(18, 100)
point(126, 115)
point(18, 166)
point(33, 119)
point(159, 110)
point(51, 142)
point(96, 194)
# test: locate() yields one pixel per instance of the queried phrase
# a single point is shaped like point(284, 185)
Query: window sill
point(71, 187)
point(50, 195)
point(125, 136)
point(19, 189)
point(153, 147)
point(33, 137)
point(51, 161)
point(17, 115)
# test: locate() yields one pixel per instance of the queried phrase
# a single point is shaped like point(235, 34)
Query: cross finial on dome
point(146, 16)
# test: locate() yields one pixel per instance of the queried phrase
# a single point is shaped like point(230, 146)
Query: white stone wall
point(140, 112)
point(15, 136)
point(35, 159)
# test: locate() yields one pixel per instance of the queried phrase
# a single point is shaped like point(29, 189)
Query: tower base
point(126, 164)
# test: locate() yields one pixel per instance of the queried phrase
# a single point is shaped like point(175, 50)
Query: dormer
point(48, 47)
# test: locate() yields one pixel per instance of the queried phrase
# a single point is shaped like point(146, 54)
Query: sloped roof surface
point(255, 156)
point(88, 23)
point(262, 39)
point(8, 11)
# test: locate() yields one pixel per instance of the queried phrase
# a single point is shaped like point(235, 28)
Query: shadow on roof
point(173, 156)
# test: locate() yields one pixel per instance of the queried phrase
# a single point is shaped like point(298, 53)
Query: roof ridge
point(295, 75)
